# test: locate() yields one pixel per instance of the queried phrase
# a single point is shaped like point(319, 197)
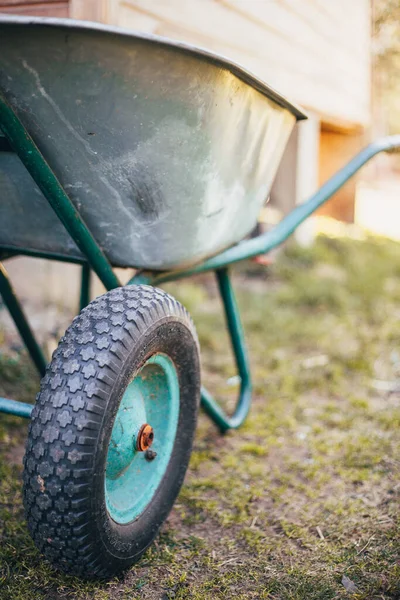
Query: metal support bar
point(16, 312)
point(44, 177)
point(13, 407)
point(84, 298)
point(41, 254)
point(211, 407)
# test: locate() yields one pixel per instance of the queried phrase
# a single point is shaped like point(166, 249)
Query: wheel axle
point(145, 438)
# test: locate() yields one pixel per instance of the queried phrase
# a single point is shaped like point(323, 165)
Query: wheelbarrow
point(120, 149)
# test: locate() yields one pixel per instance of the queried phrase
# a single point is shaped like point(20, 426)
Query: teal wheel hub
point(151, 400)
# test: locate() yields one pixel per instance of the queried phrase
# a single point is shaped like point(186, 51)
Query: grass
point(303, 501)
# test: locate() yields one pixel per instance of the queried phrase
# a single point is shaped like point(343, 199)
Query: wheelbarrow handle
point(276, 236)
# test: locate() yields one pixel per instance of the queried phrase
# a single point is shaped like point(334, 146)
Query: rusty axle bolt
point(145, 438)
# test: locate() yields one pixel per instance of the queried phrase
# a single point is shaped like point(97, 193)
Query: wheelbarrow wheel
point(112, 430)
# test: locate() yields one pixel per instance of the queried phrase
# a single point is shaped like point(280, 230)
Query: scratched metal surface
point(167, 151)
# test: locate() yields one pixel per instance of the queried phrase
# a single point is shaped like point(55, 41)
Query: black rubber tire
point(71, 426)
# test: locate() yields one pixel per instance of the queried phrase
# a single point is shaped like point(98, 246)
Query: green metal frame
point(15, 309)
point(84, 297)
point(18, 139)
point(36, 165)
point(16, 408)
point(210, 406)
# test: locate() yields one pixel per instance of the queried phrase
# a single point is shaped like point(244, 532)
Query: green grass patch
point(306, 494)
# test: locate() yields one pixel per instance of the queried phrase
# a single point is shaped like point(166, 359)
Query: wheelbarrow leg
point(208, 403)
point(211, 406)
point(85, 286)
point(19, 318)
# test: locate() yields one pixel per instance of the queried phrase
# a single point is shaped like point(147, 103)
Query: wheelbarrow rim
point(132, 476)
point(185, 48)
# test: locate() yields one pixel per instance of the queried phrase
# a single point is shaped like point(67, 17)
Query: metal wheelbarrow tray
point(128, 150)
point(168, 152)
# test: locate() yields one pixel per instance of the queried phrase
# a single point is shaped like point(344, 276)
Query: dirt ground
point(302, 503)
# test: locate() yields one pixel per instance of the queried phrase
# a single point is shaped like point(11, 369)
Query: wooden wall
point(335, 149)
point(46, 8)
point(316, 52)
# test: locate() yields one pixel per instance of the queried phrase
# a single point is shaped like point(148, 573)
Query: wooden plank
point(335, 150)
point(249, 36)
point(47, 9)
point(128, 17)
point(28, 2)
point(335, 63)
point(89, 10)
point(295, 25)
